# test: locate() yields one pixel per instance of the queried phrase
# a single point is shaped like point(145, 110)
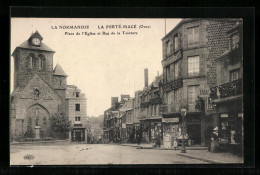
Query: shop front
point(123, 133)
point(144, 126)
point(155, 130)
point(193, 130)
point(78, 133)
point(129, 132)
point(171, 131)
point(231, 127)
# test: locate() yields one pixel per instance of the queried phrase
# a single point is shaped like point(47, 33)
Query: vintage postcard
point(102, 91)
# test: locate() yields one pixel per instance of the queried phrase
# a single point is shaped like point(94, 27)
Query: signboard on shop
point(170, 120)
point(123, 125)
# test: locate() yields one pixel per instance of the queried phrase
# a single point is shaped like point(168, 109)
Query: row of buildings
point(40, 92)
point(202, 65)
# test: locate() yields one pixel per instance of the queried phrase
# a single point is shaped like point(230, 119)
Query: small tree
point(60, 124)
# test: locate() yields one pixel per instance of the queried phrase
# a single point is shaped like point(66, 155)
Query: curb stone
point(199, 158)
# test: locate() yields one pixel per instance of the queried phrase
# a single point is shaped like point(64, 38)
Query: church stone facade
point(39, 91)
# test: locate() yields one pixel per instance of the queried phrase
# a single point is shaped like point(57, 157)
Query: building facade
point(39, 90)
point(76, 108)
point(189, 70)
point(228, 94)
point(150, 119)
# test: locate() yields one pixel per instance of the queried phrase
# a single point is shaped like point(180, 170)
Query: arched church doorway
point(37, 120)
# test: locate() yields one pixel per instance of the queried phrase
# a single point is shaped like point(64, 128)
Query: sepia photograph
point(126, 91)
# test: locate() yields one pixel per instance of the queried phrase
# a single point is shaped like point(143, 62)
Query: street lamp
point(183, 114)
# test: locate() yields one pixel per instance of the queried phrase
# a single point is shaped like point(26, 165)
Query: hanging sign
point(170, 120)
point(224, 115)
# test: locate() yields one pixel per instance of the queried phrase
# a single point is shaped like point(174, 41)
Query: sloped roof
point(16, 91)
point(59, 71)
point(26, 45)
point(36, 34)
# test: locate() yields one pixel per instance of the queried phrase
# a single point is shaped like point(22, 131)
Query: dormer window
point(235, 41)
point(77, 94)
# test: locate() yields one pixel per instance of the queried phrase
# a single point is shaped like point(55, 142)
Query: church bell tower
point(31, 57)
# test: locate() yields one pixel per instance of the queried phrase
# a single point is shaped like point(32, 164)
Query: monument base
point(37, 132)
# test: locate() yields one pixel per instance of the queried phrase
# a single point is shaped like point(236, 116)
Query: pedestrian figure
point(214, 140)
point(158, 140)
point(208, 135)
point(175, 144)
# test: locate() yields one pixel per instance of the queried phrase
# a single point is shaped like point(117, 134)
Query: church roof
point(59, 71)
point(26, 45)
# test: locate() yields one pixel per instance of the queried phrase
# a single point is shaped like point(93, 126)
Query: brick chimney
point(145, 77)
point(114, 100)
point(157, 78)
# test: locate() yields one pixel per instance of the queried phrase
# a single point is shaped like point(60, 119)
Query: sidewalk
point(217, 158)
point(198, 153)
point(141, 146)
point(40, 142)
point(150, 146)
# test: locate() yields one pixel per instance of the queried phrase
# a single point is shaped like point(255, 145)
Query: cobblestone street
point(83, 154)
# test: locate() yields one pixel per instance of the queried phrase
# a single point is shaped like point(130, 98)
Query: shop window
point(193, 36)
point(234, 75)
point(77, 118)
point(77, 107)
point(193, 66)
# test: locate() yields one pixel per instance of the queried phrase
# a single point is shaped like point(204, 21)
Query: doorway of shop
point(194, 133)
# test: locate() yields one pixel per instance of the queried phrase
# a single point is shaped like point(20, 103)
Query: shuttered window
point(193, 36)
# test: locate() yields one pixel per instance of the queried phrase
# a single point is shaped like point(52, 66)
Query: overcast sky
point(102, 66)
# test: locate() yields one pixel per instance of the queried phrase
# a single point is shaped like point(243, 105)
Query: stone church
point(39, 91)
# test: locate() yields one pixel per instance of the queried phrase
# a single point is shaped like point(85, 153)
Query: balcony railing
point(198, 106)
point(155, 100)
point(166, 109)
point(226, 90)
point(145, 104)
point(171, 57)
point(175, 84)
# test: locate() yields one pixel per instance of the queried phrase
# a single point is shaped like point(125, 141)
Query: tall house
point(189, 70)
point(228, 94)
point(76, 108)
